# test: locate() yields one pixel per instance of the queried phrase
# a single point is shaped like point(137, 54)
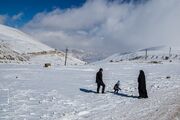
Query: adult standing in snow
point(142, 85)
point(99, 80)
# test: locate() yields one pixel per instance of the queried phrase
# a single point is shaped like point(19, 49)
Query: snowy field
point(31, 92)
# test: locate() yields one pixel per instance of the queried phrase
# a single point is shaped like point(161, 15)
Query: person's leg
point(103, 85)
point(117, 91)
point(98, 87)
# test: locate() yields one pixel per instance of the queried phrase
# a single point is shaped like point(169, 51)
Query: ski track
point(35, 93)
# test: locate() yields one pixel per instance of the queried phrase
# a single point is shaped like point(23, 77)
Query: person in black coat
point(99, 80)
point(142, 85)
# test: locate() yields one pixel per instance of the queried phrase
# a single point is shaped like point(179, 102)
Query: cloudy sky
point(106, 26)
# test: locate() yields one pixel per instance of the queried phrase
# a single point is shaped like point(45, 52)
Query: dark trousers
point(99, 85)
point(116, 90)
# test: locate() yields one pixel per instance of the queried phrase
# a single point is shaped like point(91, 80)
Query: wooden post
point(169, 52)
point(66, 56)
point(146, 55)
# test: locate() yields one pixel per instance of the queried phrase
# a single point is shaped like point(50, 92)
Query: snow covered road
point(67, 93)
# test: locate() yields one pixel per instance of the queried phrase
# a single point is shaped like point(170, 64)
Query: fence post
point(146, 54)
point(169, 52)
point(66, 56)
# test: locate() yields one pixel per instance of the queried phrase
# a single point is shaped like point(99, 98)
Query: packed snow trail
point(67, 93)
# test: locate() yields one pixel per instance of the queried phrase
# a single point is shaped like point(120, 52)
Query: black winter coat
point(142, 82)
point(99, 76)
point(142, 85)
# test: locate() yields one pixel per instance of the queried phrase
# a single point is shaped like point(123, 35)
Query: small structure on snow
point(47, 64)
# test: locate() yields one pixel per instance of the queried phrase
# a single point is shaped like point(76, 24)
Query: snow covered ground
point(31, 92)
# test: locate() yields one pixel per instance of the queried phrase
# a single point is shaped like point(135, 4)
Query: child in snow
point(116, 87)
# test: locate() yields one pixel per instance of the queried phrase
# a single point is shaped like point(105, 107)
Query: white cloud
point(17, 16)
point(3, 19)
point(109, 27)
point(10, 20)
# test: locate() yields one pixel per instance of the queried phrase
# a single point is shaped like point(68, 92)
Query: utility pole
point(66, 56)
point(146, 54)
point(169, 52)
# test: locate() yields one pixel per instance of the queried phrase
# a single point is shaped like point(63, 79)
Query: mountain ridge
point(158, 53)
point(16, 46)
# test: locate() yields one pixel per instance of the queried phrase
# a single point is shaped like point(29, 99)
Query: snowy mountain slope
point(88, 56)
point(17, 46)
point(153, 54)
point(54, 57)
point(20, 42)
point(7, 54)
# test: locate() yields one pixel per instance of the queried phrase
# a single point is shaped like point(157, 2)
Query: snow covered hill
point(88, 56)
point(17, 46)
point(153, 54)
point(20, 42)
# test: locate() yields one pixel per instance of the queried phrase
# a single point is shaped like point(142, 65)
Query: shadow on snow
point(86, 91)
point(124, 95)
point(119, 94)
